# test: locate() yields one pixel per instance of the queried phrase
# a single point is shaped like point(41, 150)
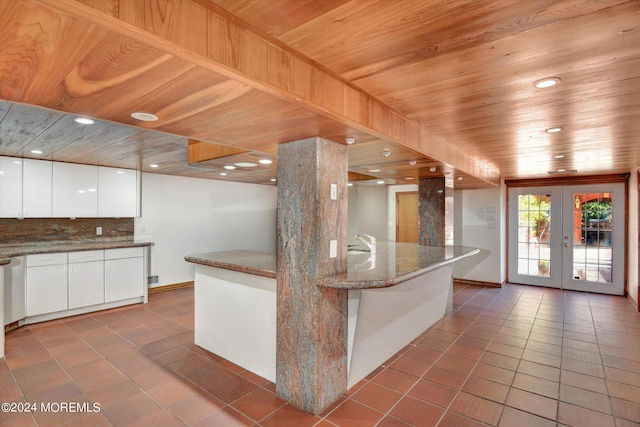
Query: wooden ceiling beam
point(202, 37)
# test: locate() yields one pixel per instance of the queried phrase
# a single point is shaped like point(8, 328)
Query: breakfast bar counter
point(395, 293)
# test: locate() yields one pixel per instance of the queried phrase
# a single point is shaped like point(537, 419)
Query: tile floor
point(516, 356)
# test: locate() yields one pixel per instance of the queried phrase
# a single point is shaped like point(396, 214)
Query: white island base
point(235, 318)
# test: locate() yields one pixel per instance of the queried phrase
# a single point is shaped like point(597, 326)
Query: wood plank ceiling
point(444, 85)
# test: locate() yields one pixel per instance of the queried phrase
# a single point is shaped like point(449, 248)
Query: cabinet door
point(14, 290)
point(123, 278)
point(46, 289)
point(37, 184)
point(75, 190)
point(86, 284)
point(10, 187)
point(117, 192)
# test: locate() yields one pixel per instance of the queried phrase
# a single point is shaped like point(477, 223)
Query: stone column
point(435, 206)
point(311, 355)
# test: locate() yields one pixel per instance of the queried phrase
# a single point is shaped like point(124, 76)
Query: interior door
point(568, 237)
point(407, 217)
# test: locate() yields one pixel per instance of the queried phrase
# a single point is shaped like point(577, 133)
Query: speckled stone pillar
point(435, 205)
point(311, 355)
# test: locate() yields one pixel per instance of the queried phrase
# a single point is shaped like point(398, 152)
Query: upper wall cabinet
point(118, 192)
point(10, 187)
point(75, 190)
point(37, 188)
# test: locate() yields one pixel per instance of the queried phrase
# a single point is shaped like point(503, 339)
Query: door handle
point(566, 245)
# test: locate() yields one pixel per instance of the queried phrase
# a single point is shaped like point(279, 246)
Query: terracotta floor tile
point(472, 342)
point(377, 396)
point(624, 391)
point(226, 417)
point(536, 385)
point(621, 376)
point(505, 350)
point(354, 414)
point(532, 403)
point(486, 389)
point(511, 340)
point(538, 370)
point(542, 358)
point(191, 363)
point(416, 412)
point(289, 416)
point(452, 419)
point(258, 404)
point(585, 382)
point(173, 391)
point(494, 373)
point(433, 393)
point(585, 398)
point(499, 360)
point(583, 367)
point(410, 366)
point(396, 380)
point(114, 392)
point(195, 407)
point(423, 354)
point(577, 416)
point(626, 410)
point(549, 339)
point(209, 376)
point(158, 418)
point(477, 408)
point(514, 417)
point(445, 377)
point(232, 389)
point(130, 410)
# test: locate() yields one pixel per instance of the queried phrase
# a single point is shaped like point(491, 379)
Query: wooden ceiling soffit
point(201, 151)
point(208, 39)
point(355, 176)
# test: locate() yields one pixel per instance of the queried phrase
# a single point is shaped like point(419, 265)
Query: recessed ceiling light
point(559, 156)
point(546, 82)
point(380, 182)
point(145, 117)
point(273, 180)
point(386, 152)
point(246, 164)
point(554, 130)
point(265, 161)
point(350, 184)
point(229, 167)
point(562, 171)
point(92, 190)
point(460, 178)
point(374, 170)
point(154, 165)
point(84, 120)
point(223, 173)
point(350, 141)
point(36, 151)
point(409, 178)
point(413, 162)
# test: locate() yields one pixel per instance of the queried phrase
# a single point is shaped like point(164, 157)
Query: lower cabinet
point(86, 278)
point(47, 290)
point(123, 274)
point(64, 284)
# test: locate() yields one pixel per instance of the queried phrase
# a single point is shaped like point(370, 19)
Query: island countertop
point(391, 264)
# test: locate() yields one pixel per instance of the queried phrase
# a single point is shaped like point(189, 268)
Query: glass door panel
point(594, 219)
point(531, 252)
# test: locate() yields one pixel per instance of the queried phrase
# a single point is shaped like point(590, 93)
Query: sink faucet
point(371, 244)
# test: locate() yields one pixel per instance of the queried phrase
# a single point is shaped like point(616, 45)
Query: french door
point(568, 237)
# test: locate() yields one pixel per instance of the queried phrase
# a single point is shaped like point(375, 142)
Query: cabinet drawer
point(123, 253)
point(86, 256)
point(36, 260)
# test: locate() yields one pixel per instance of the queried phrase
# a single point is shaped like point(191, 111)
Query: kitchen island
point(395, 294)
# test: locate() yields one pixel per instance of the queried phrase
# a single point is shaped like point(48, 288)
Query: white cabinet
point(10, 187)
point(46, 283)
point(75, 190)
point(14, 290)
point(117, 193)
point(86, 278)
point(37, 188)
point(123, 273)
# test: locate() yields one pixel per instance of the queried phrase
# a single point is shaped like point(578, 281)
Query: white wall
point(480, 222)
point(185, 216)
point(634, 212)
point(370, 211)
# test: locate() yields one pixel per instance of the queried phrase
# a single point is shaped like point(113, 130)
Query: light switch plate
point(333, 248)
point(334, 192)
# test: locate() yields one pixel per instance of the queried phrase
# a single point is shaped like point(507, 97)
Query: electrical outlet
point(333, 248)
point(98, 231)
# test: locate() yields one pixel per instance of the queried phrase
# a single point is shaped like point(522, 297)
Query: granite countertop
point(9, 251)
point(393, 263)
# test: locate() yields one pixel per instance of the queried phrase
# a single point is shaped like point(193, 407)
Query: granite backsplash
point(49, 230)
